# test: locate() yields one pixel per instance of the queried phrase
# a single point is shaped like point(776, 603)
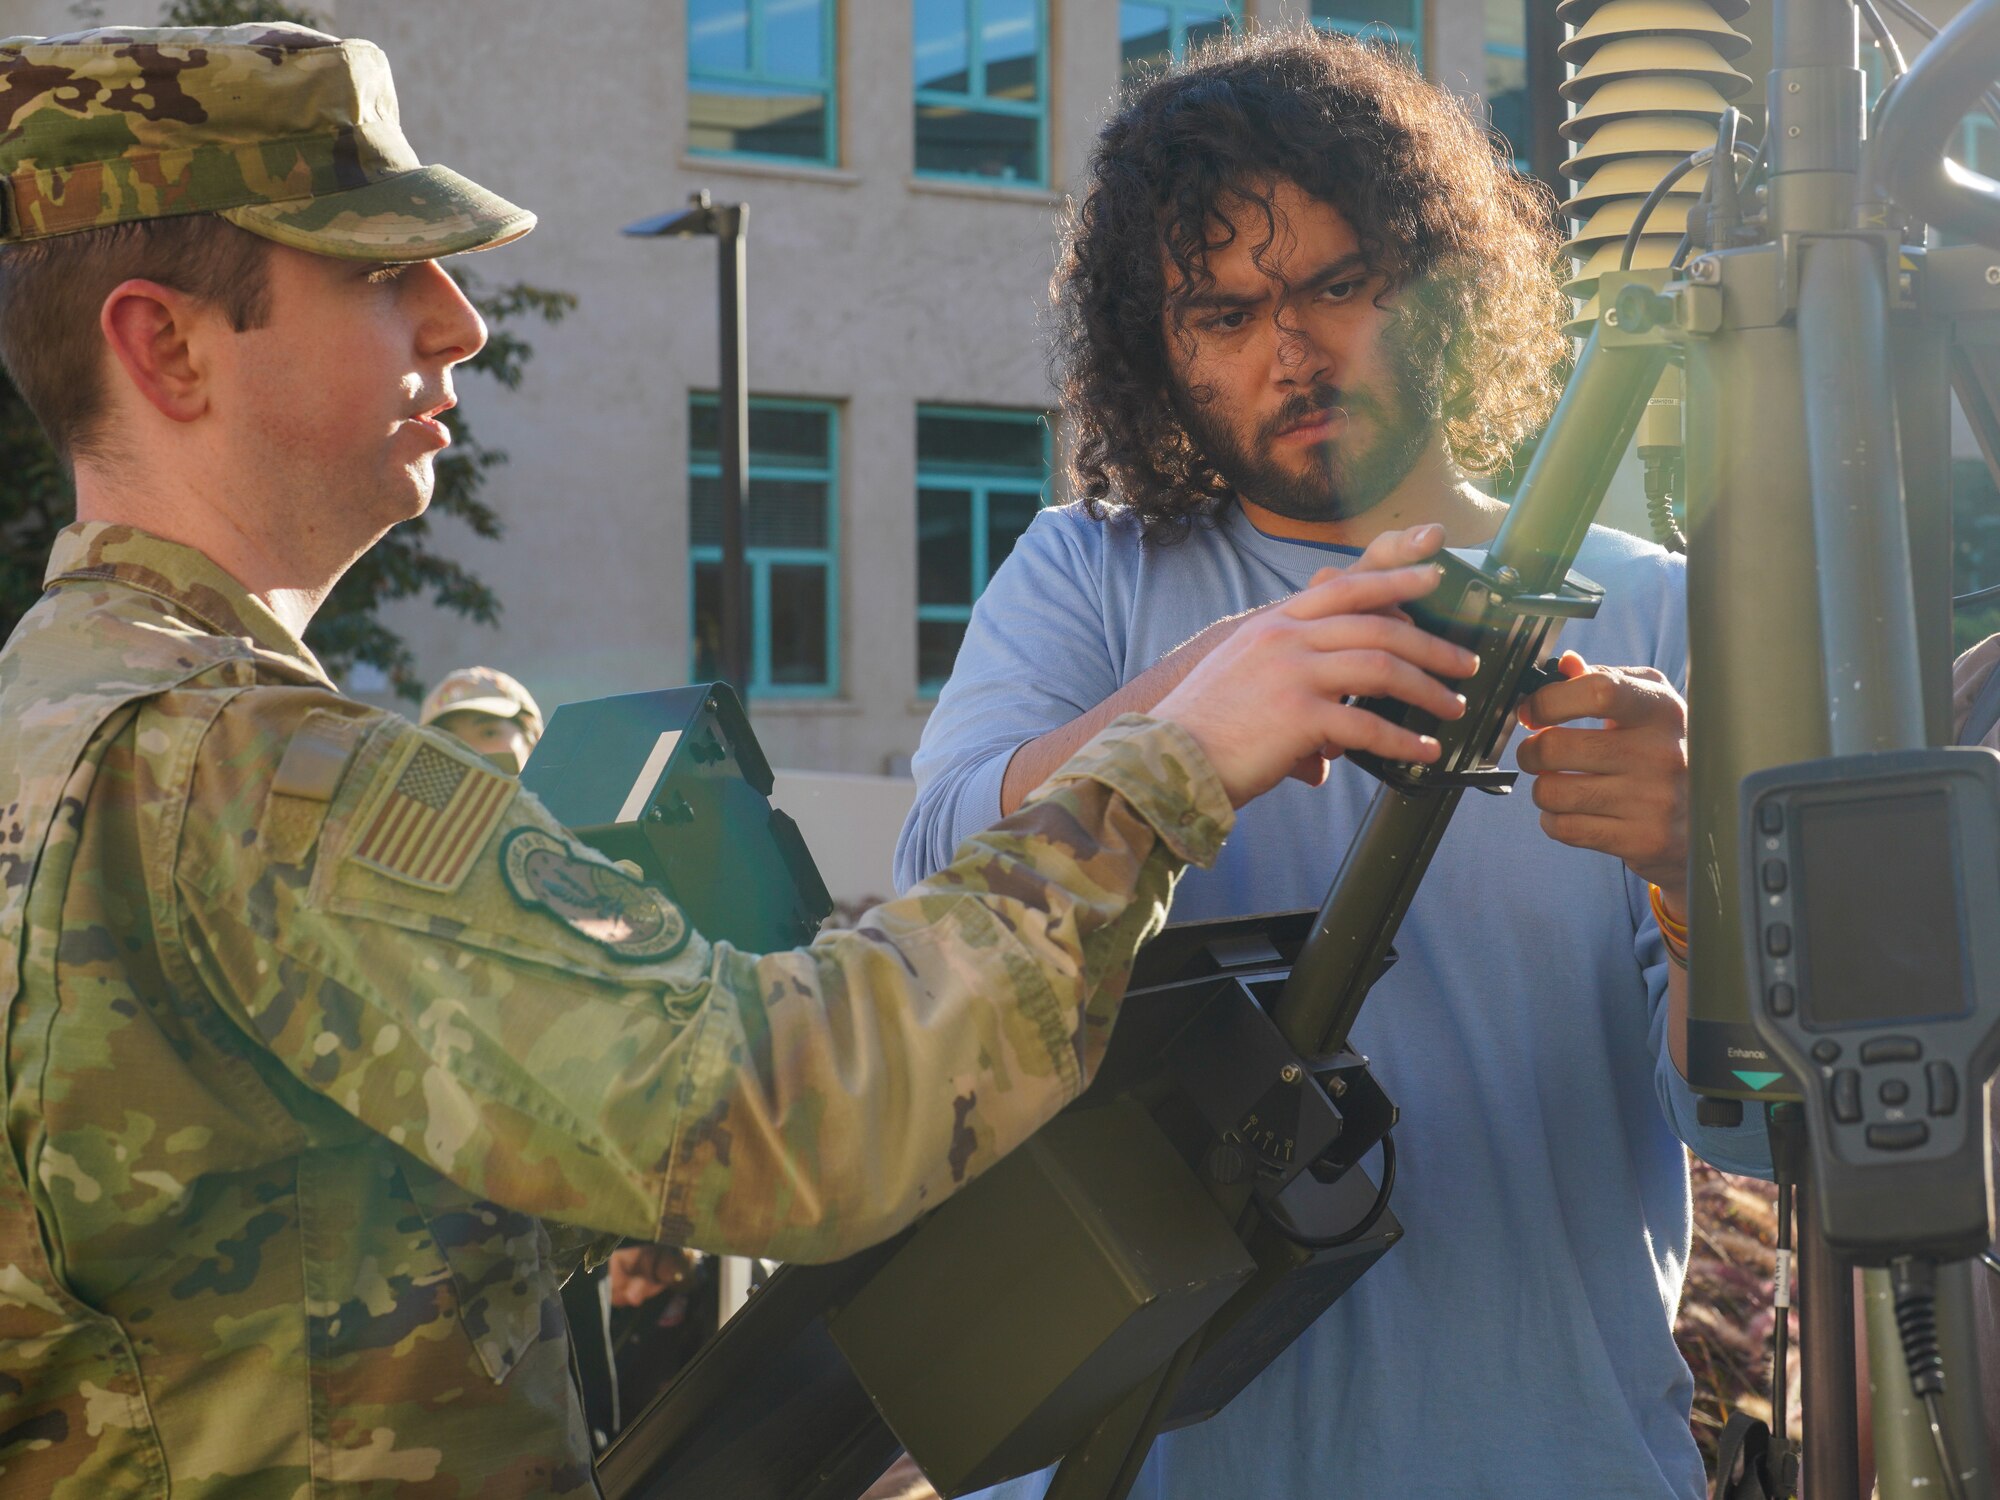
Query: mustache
point(1308, 405)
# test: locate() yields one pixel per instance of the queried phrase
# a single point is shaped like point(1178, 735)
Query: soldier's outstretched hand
point(1273, 694)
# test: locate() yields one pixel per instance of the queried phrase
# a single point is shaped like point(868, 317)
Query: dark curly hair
point(1464, 243)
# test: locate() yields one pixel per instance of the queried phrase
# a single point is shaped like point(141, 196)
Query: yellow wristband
point(1667, 924)
point(1674, 934)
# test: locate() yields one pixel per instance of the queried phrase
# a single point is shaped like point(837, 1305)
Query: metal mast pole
point(733, 402)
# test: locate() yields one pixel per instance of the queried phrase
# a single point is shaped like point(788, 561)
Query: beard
point(1341, 478)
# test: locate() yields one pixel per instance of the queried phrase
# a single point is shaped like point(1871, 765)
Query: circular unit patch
point(628, 919)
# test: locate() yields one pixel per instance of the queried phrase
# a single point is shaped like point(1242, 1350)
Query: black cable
point(1913, 1283)
point(1977, 596)
point(1781, 1323)
point(1368, 1220)
point(1658, 195)
point(1653, 200)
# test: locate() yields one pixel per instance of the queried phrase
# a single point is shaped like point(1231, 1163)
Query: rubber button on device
point(1783, 999)
point(1943, 1087)
point(1777, 940)
point(1774, 875)
point(1847, 1096)
point(1894, 1093)
point(1770, 817)
point(1826, 1051)
point(1898, 1137)
point(1892, 1049)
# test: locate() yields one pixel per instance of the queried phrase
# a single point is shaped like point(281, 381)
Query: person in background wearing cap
point(325, 1046)
point(488, 712)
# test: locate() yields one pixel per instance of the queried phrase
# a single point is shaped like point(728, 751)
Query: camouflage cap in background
point(483, 690)
point(282, 130)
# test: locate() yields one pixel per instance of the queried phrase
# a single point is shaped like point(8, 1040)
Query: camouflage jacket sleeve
point(431, 953)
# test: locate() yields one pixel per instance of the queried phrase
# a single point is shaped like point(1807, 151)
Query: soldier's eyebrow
point(383, 270)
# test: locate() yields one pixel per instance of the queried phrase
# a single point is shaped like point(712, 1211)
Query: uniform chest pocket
point(503, 1277)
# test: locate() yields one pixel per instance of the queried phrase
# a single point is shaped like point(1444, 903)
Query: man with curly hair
point(1302, 297)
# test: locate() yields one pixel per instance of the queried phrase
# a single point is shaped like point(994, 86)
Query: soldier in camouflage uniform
point(319, 1033)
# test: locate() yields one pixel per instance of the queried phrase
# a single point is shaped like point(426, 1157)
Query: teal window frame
point(755, 79)
point(760, 560)
point(1411, 40)
point(1177, 19)
point(1512, 53)
point(976, 100)
point(981, 485)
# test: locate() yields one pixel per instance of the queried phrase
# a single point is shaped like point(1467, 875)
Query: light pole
point(726, 221)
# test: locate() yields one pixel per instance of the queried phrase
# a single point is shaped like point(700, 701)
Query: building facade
point(905, 163)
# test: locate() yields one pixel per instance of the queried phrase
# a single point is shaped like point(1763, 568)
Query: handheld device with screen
point(1873, 923)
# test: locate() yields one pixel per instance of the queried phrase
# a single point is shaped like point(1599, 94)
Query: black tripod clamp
point(1511, 628)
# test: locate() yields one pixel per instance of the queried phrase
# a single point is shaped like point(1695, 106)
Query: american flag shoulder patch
point(432, 814)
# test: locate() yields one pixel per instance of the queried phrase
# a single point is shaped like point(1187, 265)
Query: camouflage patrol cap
point(281, 130)
point(483, 690)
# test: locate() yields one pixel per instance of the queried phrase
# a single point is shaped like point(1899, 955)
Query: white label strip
point(649, 776)
point(1782, 1296)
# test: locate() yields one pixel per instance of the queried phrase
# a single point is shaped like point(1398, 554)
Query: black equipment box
point(674, 782)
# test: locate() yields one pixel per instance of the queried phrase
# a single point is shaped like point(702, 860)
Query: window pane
point(707, 621)
point(788, 435)
point(798, 625)
point(1010, 36)
point(1007, 516)
point(1145, 35)
point(937, 648)
point(768, 122)
point(965, 142)
point(794, 40)
point(944, 547)
point(1353, 14)
point(990, 444)
point(798, 438)
point(719, 35)
point(787, 513)
point(1507, 98)
point(1205, 25)
point(943, 47)
point(1507, 24)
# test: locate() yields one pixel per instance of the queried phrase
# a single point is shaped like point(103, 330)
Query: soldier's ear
point(149, 328)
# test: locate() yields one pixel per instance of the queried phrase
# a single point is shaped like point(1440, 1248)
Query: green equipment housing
point(674, 782)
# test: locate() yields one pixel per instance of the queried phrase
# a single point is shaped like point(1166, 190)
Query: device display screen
point(1877, 909)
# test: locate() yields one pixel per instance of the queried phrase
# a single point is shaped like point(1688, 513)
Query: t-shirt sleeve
point(1035, 657)
point(1744, 1149)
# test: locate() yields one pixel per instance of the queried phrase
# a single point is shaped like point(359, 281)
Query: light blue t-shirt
point(1518, 1341)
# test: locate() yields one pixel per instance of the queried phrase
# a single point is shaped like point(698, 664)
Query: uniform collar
point(185, 579)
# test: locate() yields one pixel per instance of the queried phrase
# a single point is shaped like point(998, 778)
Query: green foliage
point(235, 13)
point(36, 500)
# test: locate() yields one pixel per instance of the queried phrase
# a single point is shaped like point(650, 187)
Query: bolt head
point(1791, 88)
point(1993, 275)
point(1792, 131)
point(1290, 1073)
point(1610, 317)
